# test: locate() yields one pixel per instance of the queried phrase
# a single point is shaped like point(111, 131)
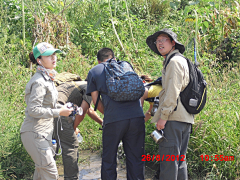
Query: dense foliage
point(81, 28)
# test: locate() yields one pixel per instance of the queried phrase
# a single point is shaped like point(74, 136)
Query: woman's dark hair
point(32, 58)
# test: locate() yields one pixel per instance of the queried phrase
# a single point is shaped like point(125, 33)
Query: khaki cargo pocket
point(46, 156)
point(44, 151)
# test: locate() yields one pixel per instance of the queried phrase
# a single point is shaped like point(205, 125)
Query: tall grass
point(87, 28)
point(216, 129)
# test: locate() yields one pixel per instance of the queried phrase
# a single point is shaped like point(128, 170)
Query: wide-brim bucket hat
point(152, 38)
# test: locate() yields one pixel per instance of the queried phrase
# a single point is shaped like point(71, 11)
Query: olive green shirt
point(41, 99)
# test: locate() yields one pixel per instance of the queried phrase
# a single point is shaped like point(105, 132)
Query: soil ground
point(90, 167)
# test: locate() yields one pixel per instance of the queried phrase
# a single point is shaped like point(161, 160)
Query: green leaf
point(211, 4)
point(50, 8)
point(193, 2)
point(186, 10)
point(103, 5)
point(205, 23)
point(173, 5)
point(204, 29)
point(164, 2)
point(123, 5)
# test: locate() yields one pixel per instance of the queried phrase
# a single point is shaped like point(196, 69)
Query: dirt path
point(90, 168)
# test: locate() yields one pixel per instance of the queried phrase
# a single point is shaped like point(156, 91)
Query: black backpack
point(194, 96)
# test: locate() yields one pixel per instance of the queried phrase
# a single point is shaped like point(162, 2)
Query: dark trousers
point(63, 130)
point(174, 166)
point(132, 134)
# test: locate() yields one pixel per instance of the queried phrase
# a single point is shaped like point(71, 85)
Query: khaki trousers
point(41, 153)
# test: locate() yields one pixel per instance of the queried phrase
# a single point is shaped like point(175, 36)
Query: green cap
point(44, 49)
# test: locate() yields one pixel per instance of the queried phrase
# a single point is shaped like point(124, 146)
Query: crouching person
point(65, 128)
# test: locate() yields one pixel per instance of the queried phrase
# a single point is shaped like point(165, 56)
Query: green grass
point(216, 129)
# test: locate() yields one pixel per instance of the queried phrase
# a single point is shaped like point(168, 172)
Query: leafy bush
point(228, 50)
point(218, 28)
point(216, 130)
point(84, 27)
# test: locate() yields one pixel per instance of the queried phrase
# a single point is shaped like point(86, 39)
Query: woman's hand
point(65, 111)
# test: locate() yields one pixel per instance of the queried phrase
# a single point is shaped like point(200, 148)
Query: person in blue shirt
point(123, 121)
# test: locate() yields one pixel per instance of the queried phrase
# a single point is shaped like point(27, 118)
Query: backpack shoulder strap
point(165, 65)
point(119, 62)
point(98, 98)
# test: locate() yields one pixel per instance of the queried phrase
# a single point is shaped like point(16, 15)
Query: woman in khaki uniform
point(41, 99)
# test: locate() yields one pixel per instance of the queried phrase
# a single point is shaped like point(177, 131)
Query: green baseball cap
point(44, 49)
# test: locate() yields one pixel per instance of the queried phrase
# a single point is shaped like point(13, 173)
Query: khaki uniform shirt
point(175, 79)
point(74, 91)
point(41, 99)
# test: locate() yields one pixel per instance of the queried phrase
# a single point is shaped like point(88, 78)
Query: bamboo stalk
point(129, 19)
point(115, 10)
point(23, 25)
point(148, 13)
point(196, 31)
point(23, 31)
point(62, 11)
point(237, 7)
point(110, 9)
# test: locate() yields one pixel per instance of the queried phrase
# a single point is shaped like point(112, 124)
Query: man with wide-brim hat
point(152, 43)
point(171, 116)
